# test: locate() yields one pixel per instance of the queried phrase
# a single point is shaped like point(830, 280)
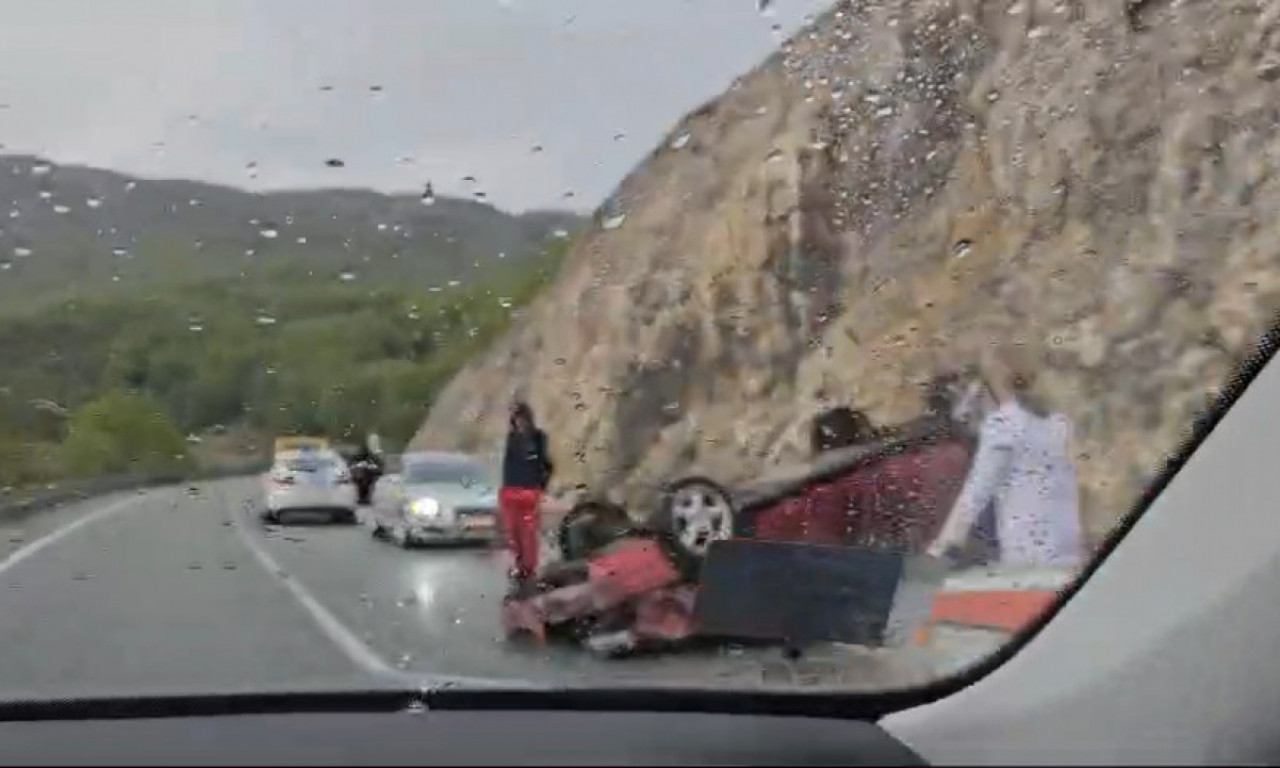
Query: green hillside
point(184, 342)
point(70, 228)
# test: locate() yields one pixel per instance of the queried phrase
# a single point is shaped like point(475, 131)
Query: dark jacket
point(525, 462)
point(364, 454)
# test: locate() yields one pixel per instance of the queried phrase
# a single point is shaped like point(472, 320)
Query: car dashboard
point(399, 729)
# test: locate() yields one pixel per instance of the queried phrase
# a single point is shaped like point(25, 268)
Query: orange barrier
point(1006, 610)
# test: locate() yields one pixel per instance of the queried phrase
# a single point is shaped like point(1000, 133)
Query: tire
point(693, 513)
point(346, 517)
point(401, 537)
point(590, 526)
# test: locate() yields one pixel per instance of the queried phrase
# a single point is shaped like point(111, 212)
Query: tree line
point(137, 383)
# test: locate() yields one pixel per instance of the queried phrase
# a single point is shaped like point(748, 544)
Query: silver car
point(439, 497)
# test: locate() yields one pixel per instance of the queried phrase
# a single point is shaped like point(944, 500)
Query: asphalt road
point(186, 590)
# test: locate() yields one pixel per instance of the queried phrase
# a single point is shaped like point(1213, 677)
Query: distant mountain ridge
point(75, 228)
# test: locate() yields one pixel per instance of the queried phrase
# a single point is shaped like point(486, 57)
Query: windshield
point(448, 473)
point(308, 464)
point(805, 345)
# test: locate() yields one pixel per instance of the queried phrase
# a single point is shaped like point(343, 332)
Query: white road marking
point(360, 654)
point(36, 546)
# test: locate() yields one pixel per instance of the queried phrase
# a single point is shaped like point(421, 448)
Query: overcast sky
point(203, 88)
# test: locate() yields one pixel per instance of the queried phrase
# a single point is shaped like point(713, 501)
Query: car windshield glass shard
point(818, 352)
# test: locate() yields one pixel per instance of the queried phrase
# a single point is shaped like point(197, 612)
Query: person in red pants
point(526, 470)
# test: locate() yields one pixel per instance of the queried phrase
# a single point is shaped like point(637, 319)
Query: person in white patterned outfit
point(1024, 467)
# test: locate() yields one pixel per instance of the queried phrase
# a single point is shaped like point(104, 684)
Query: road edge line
point(355, 649)
point(53, 537)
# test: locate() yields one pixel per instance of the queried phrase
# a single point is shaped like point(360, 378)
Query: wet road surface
point(186, 590)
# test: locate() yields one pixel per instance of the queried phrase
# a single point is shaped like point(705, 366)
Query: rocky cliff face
point(903, 182)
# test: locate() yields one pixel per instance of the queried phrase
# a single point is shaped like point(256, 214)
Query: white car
point(439, 497)
point(312, 481)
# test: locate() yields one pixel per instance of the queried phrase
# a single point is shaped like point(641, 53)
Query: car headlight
point(424, 508)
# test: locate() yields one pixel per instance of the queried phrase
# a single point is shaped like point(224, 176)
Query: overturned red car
point(712, 562)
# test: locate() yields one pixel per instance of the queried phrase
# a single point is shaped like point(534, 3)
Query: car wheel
point(347, 517)
point(401, 536)
point(590, 526)
point(694, 513)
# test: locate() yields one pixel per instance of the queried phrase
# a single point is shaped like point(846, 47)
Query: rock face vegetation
point(900, 184)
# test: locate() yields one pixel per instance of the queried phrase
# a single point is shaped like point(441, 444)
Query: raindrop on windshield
point(93, 202)
point(615, 221)
point(269, 233)
point(680, 141)
point(334, 162)
point(22, 253)
point(347, 276)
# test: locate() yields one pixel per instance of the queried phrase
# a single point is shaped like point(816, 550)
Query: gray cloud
point(202, 88)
